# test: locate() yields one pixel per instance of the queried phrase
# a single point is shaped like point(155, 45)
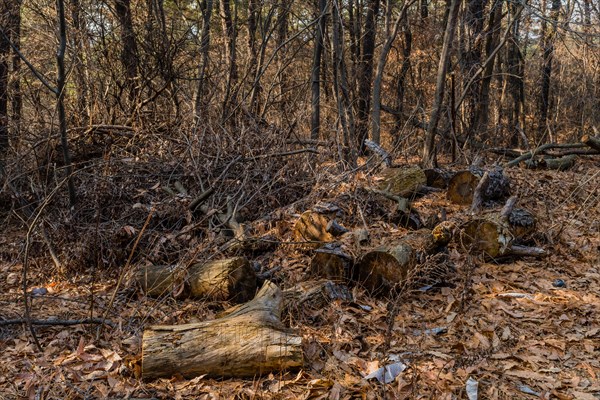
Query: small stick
point(58, 322)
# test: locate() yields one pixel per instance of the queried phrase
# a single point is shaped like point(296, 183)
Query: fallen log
point(249, 341)
point(331, 262)
point(230, 279)
point(384, 268)
point(497, 235)
point(159, 280)
point(461, 187)
point(591, 141)
point(438, 178)
point(559, 164)
point(314, 295)
point(402, 182)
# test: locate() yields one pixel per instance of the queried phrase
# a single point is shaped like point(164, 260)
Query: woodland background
point(108, 106)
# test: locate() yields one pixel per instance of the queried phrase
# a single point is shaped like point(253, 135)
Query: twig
point(284, 154)
point(58, 322)
point(122, 275)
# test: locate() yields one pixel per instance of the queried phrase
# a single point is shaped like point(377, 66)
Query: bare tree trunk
point(15, 83)
point(60, 97)
point(316, 72)
point(200, 104)
point(470, 60)
point(401, 78)
point(129, 54)
point(429, 148)
point(253, 15)
point(547, 58)
point(77, 40)
point(492, 41)
point(515, 71)
point(230, 38)
point(376, 113)
point(340, 82)
point(282, 23)
point(4, 56)
point(365, 78)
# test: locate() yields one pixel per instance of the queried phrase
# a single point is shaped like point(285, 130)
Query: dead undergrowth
point(505, 325)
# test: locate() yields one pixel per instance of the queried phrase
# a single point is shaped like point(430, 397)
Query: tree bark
point(229, 30)
point(315, 79)
point(365, 74)
point(429, 157)
point(129, 54)
point(547, 59)
point(4, 56)
point(248, 341)
point(200, 106)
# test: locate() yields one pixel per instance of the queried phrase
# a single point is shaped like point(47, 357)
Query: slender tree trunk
point(365, 79)
point(229, 31)
point(60, 96)
point(492, 40)
point(401, 78)
point(547, 59)
point(282, 23)
point(4, 56)
point(77, 39)
point(376, 113)
point(200, 104)
point(129, 54)
point(15, 83)
point(340, 81)
point(515, 71)
point(315, 120)
point(429, 148)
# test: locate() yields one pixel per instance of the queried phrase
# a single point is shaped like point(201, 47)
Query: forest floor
point(501, 326)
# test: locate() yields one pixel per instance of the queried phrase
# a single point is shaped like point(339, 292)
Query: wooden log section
point(230, 279)
point(312, 227)
point(402, 182)
point(248, 342)
point(159, 280)
point(560, 164)
point(492, 237)
point(591, 141)
point(314, 295)
point(332, 262)
point(438, 178)
point(461, 187)
point(383, 268)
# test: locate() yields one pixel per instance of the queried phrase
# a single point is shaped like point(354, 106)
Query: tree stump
point(314, 295)
point(231, 279)
point(402, 182)
point(247, 342)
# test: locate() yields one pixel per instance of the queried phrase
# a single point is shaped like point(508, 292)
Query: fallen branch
point(591, 141)
point(59, 322)
point(541, 149)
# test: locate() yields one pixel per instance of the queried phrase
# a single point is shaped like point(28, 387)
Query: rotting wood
point(438, 178)
point(314, 295)
point(230, 279)
point(560, 164)
point(249, 341)
point(591, 141)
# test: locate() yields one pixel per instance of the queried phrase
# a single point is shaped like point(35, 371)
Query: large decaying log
point(402, 182)
point(461, 187)
point(385, 267)
point(247, 342)
point(438, 178)
point(560, 163)
point(231, 279)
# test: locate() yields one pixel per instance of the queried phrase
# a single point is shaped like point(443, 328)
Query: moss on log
point(402, 182)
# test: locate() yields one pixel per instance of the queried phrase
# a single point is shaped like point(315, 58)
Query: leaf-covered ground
point(504, 327)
